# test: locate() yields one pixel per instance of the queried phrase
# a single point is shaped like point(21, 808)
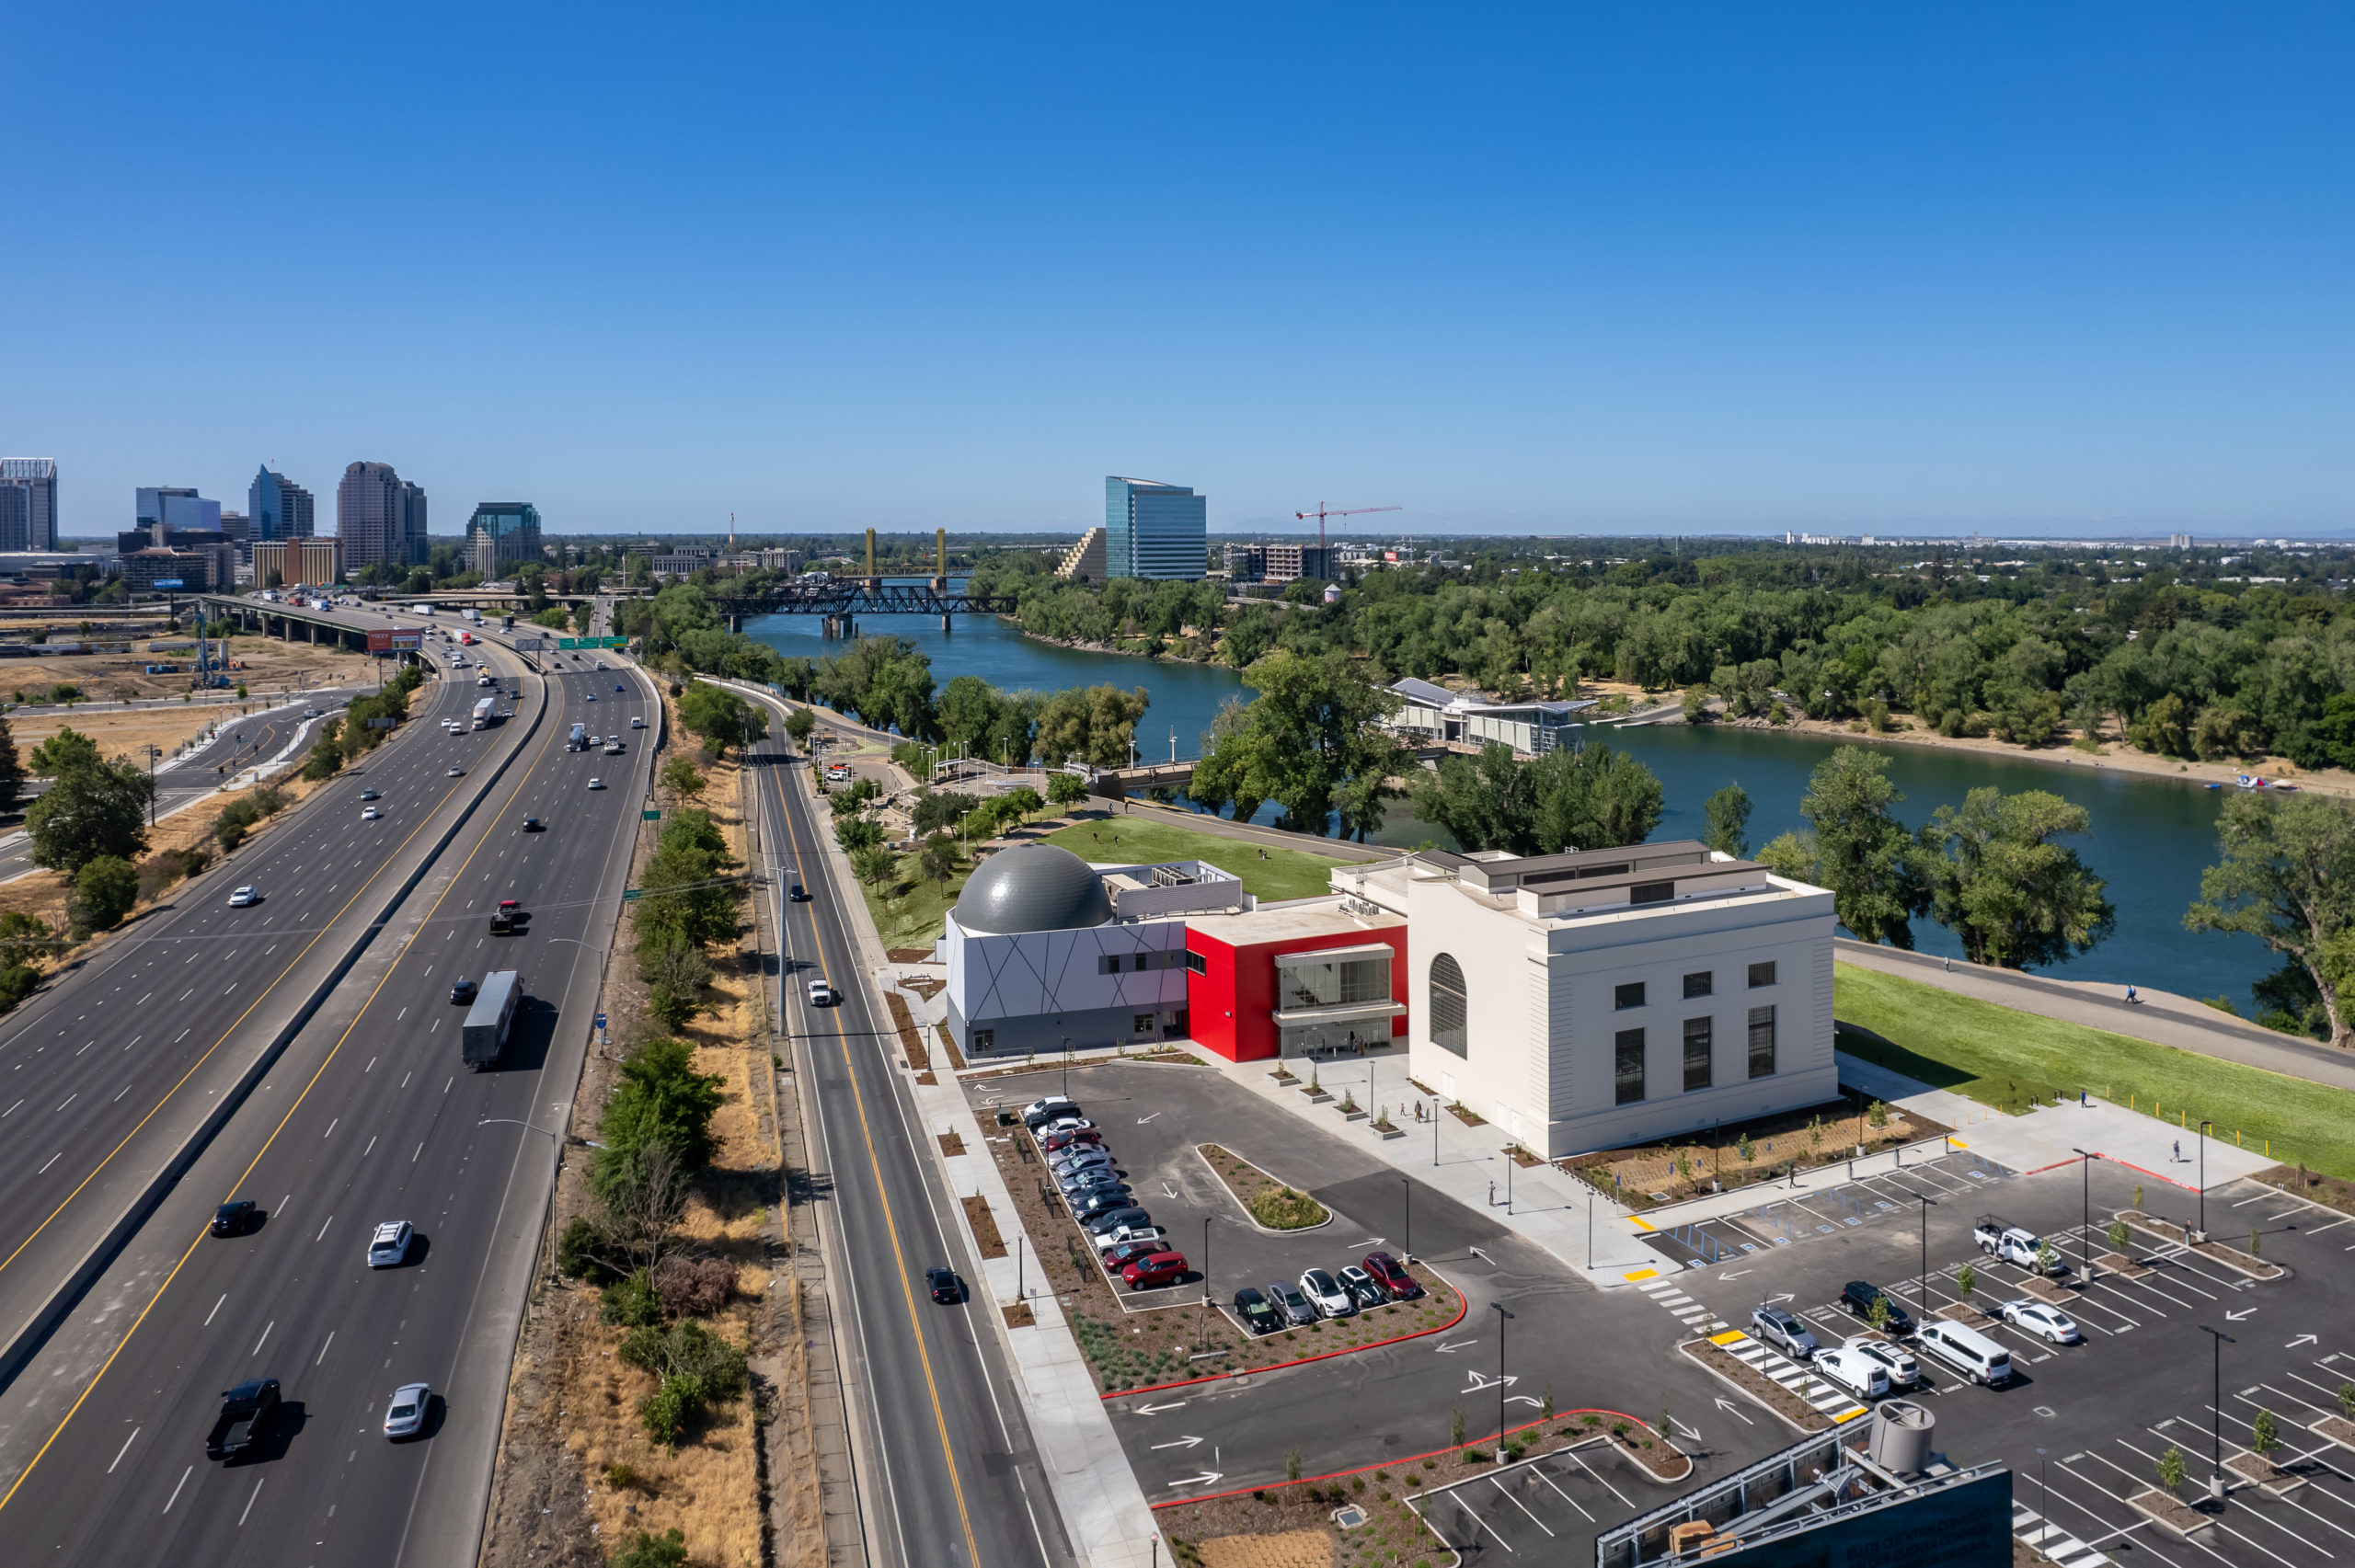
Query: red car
point(1392, 1278)
point(1118, 1260)
point(1062, 1141)
point(1161, 1268)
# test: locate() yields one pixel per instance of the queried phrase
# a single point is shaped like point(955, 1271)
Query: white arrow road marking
point(1482, 1256)
point(1777, 1301)
point(1160, 1409)
point(1169, 1191)
point(1736, 1274)
point(1459, 1344)
point(1141, 1120)
point(1370, 1241)
point(1676, 1427)
point(1481, 1380)
point(1205, 1479)
point(1729, 1407)
point(1181, 1443)
point(2302, 1339)
point(1525, 1398)
point(2236, 1317)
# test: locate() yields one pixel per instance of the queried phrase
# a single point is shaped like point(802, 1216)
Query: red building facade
point(1242, 1002)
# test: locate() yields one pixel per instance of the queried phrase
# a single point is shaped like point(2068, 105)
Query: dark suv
point(233, 1219)
point(1257, 1316)
point(1859, 1297)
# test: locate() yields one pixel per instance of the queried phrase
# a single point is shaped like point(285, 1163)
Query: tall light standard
point(1409, 1182)
point(2219, 1339)
point(1066, 1067)
point(2204, 1125)
point(1922, 1301)
point(1503, 1318)
point(2086, 1205)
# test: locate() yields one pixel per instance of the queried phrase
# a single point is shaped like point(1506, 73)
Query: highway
point(948, 1471)
point(367, 1117)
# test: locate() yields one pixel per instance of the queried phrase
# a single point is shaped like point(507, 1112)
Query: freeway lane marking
point(125, 1448)
point(136, 1323)
point(890, 1221)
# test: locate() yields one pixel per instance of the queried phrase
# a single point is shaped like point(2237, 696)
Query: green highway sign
point(632, 893)
point(592, 642)
point(651, 816)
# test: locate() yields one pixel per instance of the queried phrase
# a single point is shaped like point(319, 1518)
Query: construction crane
point(1323, 511)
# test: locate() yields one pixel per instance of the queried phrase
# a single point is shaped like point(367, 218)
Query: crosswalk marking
point(2034, 1530)
point(1817, 1393)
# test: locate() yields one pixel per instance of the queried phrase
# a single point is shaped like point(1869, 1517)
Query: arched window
point(1448, 1030)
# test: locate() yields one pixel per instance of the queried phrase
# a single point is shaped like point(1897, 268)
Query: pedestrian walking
point(1492, 1194)
point(2178, 1151)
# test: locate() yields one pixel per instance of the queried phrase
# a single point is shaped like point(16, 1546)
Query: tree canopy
point(2286, 876)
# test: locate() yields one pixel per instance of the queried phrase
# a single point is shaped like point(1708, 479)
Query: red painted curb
point(2114, 1160)
point(1410, 1459)
point(1463, 1305)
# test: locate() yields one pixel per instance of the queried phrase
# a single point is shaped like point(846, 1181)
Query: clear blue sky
point(1565, 269)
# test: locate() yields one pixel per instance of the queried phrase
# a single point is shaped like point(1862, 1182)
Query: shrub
point(625, 1478)
point(643, 1550)
point(17, 981)
point(694, 1287)
point(580, 1252)
point(1876, 1115)
point(631, 1301)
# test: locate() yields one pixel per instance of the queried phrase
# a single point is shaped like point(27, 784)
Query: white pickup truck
point(2002, 1239)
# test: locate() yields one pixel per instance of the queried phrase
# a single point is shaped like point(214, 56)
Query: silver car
point(405, 1417)
point(1784, 1333)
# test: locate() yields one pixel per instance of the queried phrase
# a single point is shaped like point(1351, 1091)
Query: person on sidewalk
point(2178, 1151)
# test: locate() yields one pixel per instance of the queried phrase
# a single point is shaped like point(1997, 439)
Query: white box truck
point(483, 711)
point(484, 1034)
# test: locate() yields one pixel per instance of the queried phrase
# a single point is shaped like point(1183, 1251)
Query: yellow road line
point(390, 969)
point(891, 1223)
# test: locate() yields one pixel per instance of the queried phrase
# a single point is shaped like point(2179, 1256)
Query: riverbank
point(1074, 645)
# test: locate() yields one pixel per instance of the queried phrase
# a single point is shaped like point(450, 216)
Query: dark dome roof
point(1033, 887)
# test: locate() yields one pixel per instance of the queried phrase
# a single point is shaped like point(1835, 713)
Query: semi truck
point(484, 709)
point(579, 739)
point(483, 1034)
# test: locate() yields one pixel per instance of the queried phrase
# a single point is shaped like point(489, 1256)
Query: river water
point(2151, 836)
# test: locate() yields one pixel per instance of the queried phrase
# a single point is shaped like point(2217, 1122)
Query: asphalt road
point(949, 1473)
point(375, 1120)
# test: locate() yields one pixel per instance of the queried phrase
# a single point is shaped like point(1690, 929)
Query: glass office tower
point(1154, 530)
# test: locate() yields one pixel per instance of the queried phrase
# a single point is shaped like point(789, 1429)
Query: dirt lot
point(271, 670)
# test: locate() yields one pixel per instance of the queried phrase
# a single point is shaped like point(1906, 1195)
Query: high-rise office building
point(380, 516)
point(277, 507)
point(28, 503)
point(1154, 530)
point(502, 534)
point(164, 507)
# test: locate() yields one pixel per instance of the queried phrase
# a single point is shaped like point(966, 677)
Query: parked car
point(944, 1286)
point(1326, 1292)
point(1852, 1370)
point(1291, 1303)
point(1998, 1237)
point(233, 1219)
point(1064, 1124)
point(1966, 1351)
point(1391, 1275)
point(1105, 1221)
point(388, 1247)
point(1086, 1159)
point(1257, 1316)
point(405, 1417)
point(464, 990)
point(1362, 1287)
point(1055, 1143)
point(1902, 1369)
point(1093, 1177)
point(242, 898)
point(1053, 1109)
point(1858, 1297)
point(1110, 1200)
point(2044, 1322)
point(1784, 1333)
point(1119, 1257)
point(1148, 1273)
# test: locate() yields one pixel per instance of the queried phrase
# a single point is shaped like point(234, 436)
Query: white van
point(1966, 1351)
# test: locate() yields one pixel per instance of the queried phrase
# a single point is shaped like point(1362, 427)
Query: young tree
point(12, 767)
point(799, 724)
point(857, 833)
point(2171, 1469)
point(2287, 877)
point(875, 865)
point(937, 859)
point(1024, 801)
point(681, 775)
point(1066, 789)
point(1727, 816)
point(2001, 884)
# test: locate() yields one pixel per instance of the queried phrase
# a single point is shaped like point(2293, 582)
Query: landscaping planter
point(2046, 1289)
point(2233, 1258)
point(2338, 1428)
point(1756, 1386)
point(1314, 1096)
point(2264, 1473)
point(2121, 1265)
point(2169, 1512)
point(1350, 1116)
point(1967, 1315)
point(1388, 1132)
point(1662, 1462)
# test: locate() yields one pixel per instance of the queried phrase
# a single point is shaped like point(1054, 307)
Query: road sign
point(650, 816)
point(380, 724)
point(592, 642)
point(601, 1020)
point(530, 645)
point(169, 582)
point(631, 895)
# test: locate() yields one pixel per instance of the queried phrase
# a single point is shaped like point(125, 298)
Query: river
point(2151, 838)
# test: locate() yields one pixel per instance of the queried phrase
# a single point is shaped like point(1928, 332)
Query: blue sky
point(1552, 268)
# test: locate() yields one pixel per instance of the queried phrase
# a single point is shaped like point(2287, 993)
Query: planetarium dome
point(1033, 887)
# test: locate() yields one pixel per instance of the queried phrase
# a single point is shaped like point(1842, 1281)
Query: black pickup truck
point(245, 1411)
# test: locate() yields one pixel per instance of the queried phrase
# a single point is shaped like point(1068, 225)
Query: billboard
point(394, 641)
point(529, 645)
point(168, 582)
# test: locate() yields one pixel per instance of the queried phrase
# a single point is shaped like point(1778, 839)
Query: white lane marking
point(176, 1490)
point(371, 1149)
point(216, 1309)
point(371, 1067)
point(11, 1110)
point(52, 1160)
point(323, 1230)
point(331, 1127)
point(69, 1100)
point(323, 1349)
point(249, 1502)
point(405, 1077)
point(265, 1337)
point(125, 1448)
point(420, 1149)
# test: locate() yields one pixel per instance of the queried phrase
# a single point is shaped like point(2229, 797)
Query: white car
point(1325, 1294)
point(1122, 1235)
point(1902, 1369)
point(1854, 1371)
point(596, 783)
point(243, 897)
point(820, 994)
point(637, 722)
point(406, 1415)
point(457, 772)
point(2045, 1323)
point(388, 1247)
point(591, 697)
point(369, 814)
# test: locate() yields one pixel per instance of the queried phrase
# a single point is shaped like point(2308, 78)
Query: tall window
point(1697, 1053)
point(1627, 996)
point(1627, 1065)
point(1762, 1042)
point(1448, 1030)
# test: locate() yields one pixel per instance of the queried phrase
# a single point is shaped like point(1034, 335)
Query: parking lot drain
point(1349, 1516)
point(2045, 1411)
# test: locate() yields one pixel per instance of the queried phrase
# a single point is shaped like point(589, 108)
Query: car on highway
point(369, 814)
point(596, 783)
point(532, 824)
point(1111, 1220)
point(1858, 1296)
point(366, 795)
point(796, 894)
point(405, 1417)
point(310, 713)
point(1854, 1371)
point(464, 990)
point(822, 994)
point(1150, 1274)
point(457, 772)
point(617, 685)
point(1784, 1332)
point(1129, 1234)
point(246, 1414)
point(1054, 1107)
point(1902, 1369)
point(1362, 1287)
point(1391, 1275)
point(234, 1219)
point(388, 1245)
point(243, 897)
point(2044, 1322)
point(589, 697)
point(637, 722)
point(1326, 1292)
point(1288, 1300)
point(612, 745)
point(1257, 1316)
point(943, 1285)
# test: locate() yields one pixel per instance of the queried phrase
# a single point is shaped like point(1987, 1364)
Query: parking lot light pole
point(1066, 1067)
point(1928, 1203)
point(2219, 1339)
point(2204, 1125)
point(1503, 1318)
point(2085, 1205)
point(1409, 1182)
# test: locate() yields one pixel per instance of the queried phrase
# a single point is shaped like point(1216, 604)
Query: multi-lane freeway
point(367, 1117)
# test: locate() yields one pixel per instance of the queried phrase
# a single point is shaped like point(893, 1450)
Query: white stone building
point(1611, 997)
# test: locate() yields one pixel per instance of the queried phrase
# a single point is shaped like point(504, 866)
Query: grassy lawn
point(909, 911)
point(2005, 1058)
point(1285, 874)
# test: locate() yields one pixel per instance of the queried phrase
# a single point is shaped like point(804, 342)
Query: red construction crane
point(1323, 511)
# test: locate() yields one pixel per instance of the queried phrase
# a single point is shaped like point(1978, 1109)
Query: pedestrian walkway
point(1703, 1323)
point(2033, 1529)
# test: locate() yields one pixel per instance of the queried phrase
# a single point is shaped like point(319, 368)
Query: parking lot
point(1791, 1215)
point(1546, 1507)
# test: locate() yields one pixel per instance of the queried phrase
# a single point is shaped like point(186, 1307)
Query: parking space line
point(1557, 1487)
point(1522, 1506)
point(1623, 1497)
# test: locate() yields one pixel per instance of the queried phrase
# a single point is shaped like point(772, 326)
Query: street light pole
point(2219, 1339)
point(2204, 1125)
point(2085, 1205)
point(1066, 1067)
point(1409, 1182)
point(1922, 1300)
point(1503, 1318)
